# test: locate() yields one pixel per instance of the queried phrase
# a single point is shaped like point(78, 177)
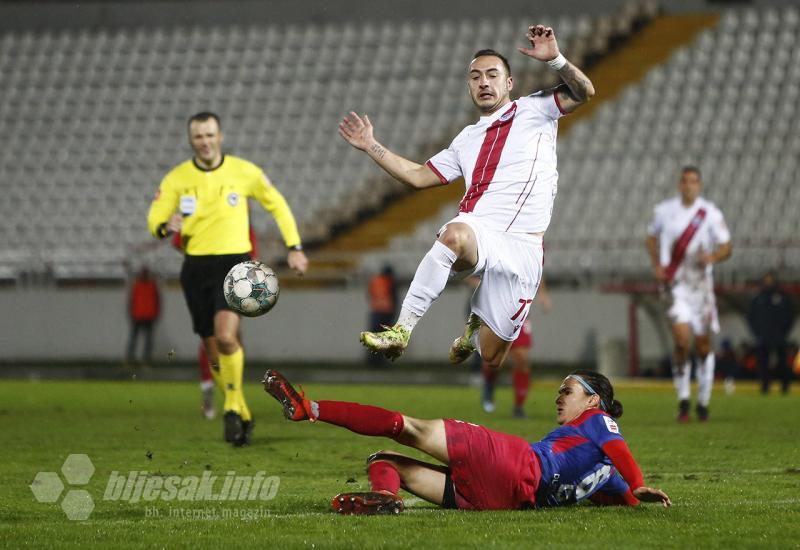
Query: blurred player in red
point(520, 364)
point(209, 375)
point(686, 237)
point(144, 307)
point(586, 458)
point(508, 161)
point(382, 293)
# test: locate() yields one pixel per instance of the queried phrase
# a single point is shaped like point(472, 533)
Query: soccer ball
point(251, 288)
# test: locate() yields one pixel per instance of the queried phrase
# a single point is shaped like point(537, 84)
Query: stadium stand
point(98, 117)
point(726, 103)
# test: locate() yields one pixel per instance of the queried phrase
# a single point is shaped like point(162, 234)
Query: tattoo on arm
point(578, 84)
point(378, 150)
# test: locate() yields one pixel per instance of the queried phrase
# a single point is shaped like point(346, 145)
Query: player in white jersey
point(686, 237)
point(508, 161)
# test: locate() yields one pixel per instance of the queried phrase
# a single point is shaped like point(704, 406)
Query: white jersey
point(508, 161)
point(670, 219)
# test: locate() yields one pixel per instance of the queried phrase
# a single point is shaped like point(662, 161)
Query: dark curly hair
point(601, 385)
point(489, 51)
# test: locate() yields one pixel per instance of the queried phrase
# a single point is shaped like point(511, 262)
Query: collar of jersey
point(698, 202)
point(196, 165)
point(584, 416)
point(498, 113)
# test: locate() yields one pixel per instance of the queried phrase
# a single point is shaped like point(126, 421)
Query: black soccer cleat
point(683, 411)
point(247, 433)
point(233, 426)
point(702, 413)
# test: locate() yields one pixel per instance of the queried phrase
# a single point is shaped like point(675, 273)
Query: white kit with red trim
point(508, 161)
point(671, 218)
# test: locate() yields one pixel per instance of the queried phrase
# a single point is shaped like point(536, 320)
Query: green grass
point(734, 481)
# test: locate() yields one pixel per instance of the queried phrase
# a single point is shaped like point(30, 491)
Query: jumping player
point(508, 159)
point(205, 199)
point(686, 237)
point(585, 458)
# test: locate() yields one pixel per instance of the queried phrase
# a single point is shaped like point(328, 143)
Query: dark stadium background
point(72, 217)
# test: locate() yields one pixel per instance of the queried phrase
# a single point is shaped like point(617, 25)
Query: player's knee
point(227, 343)
point(681, 350)
point(454, 238)
point(703, 349)
point(493, 358)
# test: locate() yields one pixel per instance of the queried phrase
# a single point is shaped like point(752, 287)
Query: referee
point(205, 199)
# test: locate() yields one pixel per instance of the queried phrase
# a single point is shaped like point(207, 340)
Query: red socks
point(489, 374)
point(205, 365)
point(383, 476)
point(361, 419)
point(521, 381)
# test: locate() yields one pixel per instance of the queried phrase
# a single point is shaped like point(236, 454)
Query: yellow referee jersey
point(214, 206)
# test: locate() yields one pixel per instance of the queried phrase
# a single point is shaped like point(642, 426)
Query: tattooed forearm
point(378, 150)
point(579, 85)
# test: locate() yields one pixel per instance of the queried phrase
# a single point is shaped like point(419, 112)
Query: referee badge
point(188, 205)
point(233, 199)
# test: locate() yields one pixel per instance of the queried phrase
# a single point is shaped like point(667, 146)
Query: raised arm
point(577, 88)
point(357, 132)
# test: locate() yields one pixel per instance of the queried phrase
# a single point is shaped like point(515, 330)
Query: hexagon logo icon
point(46, 487)
point(78, 469)
point(78, 504)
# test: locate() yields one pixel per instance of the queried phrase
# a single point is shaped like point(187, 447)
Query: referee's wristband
point(294, 248)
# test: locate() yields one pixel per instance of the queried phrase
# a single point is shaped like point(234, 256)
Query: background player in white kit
point(686, 238)
point(508, 161)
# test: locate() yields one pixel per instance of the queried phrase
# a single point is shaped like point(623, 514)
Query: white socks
point(683, 381)
point(429, 282)
point(475, 340)
point(705, 379)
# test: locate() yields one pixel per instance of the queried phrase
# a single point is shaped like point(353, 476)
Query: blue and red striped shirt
point(586, 458)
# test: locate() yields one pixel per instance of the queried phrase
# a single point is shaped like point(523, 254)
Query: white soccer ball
point(251, 288)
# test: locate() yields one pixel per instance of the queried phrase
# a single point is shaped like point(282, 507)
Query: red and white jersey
point(671, 219)
point(508, 161)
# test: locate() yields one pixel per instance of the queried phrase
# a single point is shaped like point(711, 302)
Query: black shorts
point(201, 279)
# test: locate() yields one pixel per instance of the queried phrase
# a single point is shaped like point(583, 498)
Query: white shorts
point(510, 267)
point(695, 307)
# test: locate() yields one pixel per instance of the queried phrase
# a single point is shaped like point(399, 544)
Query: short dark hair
point(204, 116)
point(691, 168)
point(490, 51)
point(602, 386)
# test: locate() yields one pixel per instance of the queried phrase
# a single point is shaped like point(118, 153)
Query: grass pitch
point(733, 481)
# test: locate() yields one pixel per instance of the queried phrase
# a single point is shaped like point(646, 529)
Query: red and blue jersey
point(586, 458)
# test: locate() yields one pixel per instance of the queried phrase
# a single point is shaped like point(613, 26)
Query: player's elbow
point(589, 91)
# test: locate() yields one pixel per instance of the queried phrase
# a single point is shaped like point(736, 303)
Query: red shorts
point(490, 470)
point(525, 337)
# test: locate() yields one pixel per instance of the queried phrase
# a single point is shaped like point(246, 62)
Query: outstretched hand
point(543, 43)
point(357, 131)
point(297, 262)
point(647, 494)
